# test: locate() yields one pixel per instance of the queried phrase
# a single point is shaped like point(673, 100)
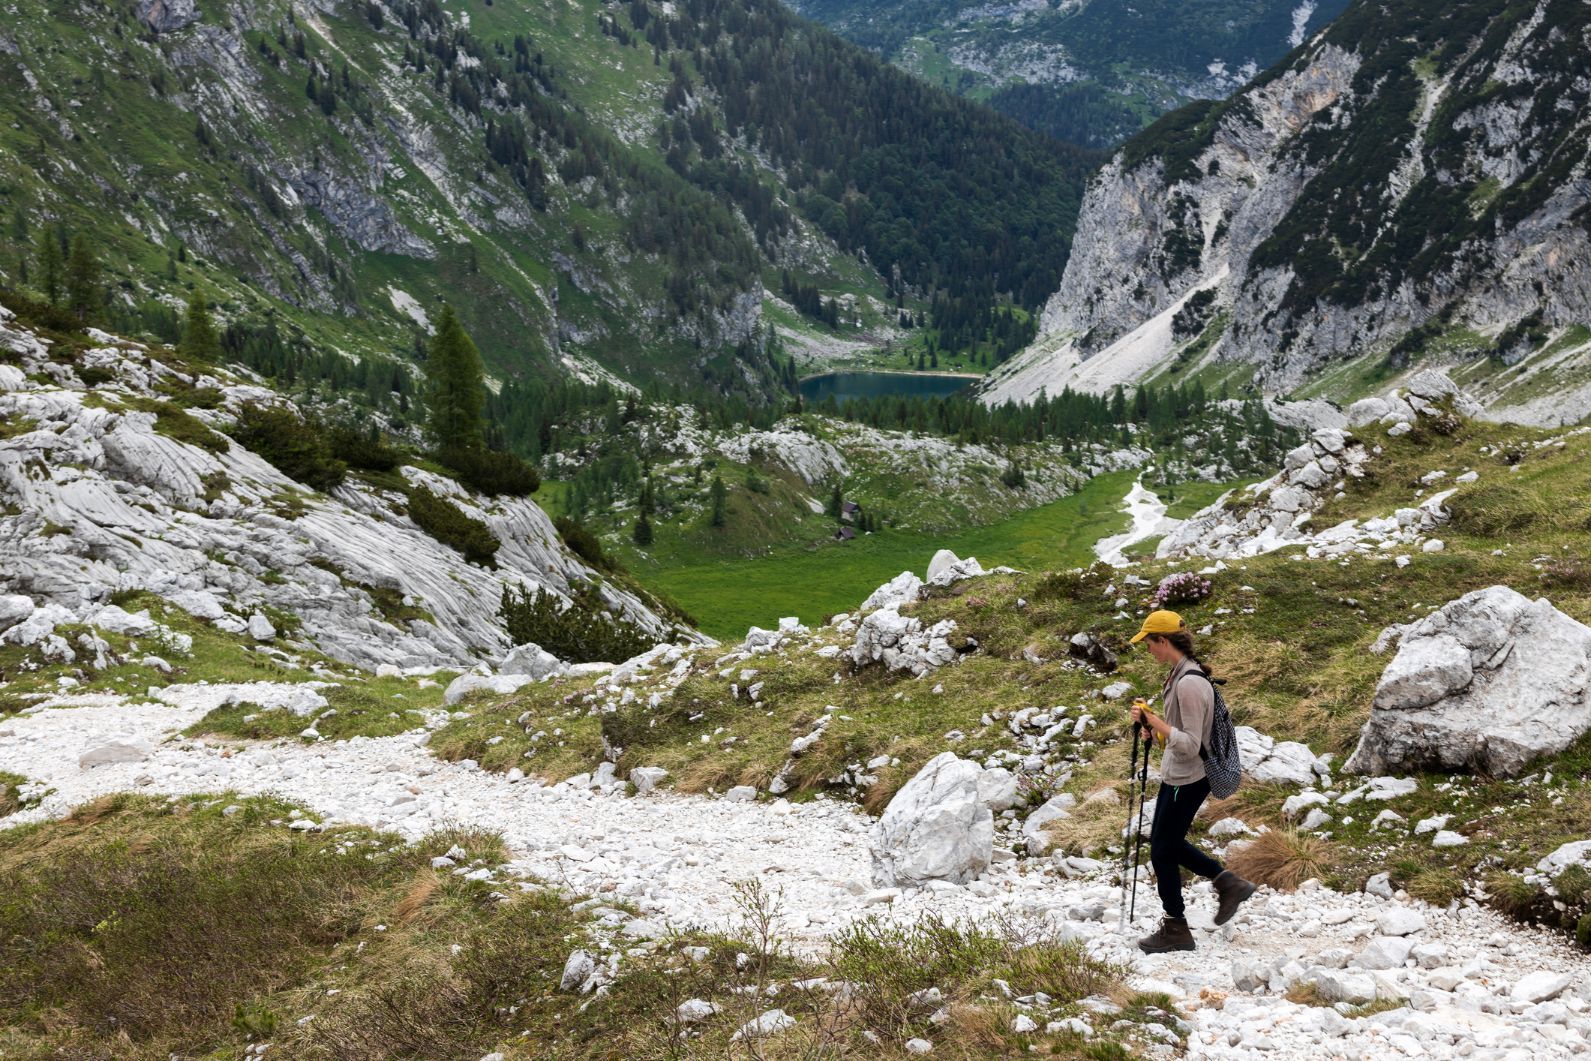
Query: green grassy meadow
point(729, 595)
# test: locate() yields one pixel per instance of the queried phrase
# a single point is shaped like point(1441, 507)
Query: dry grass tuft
point(1510, 894)
point(100, 809)
point(1437, 885)
point(1096, 822)
point(1281, 858)
point(419, 895)
point(978, 1028)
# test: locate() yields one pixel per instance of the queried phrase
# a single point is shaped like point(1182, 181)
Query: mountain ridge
point(612, 191)
point(1410, 184)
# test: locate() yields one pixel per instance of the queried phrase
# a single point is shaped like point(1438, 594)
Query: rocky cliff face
point(1087, 71)
point(99, 494)
point(1414, 174)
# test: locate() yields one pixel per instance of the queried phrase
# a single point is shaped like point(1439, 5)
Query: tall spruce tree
point(719, 496)
point(50, 266)
point(199, 339)
point(83, 296)
point(455, 386)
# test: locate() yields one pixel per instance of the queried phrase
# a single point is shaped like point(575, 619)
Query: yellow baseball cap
point(1161, 622)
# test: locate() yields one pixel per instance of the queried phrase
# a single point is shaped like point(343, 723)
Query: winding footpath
point(1148, 515)
point(1476, 984)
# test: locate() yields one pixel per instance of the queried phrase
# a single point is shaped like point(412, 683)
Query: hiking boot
point(1232, 890)
point(1172, 934)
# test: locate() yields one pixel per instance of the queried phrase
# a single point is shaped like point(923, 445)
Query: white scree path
point(1149, 519)
point(1475, 984)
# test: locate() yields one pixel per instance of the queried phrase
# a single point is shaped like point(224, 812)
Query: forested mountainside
point(1411, 185)
point(606, 186)
point(1086, 71)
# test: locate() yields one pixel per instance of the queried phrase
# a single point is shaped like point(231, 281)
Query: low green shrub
point(160, 927)
point(363, 449)
point(296, 447)
point(491, 472)
point(583, 543)
point(173, 421)
point(1493, 510)
point(448, 524)
point(578, 632)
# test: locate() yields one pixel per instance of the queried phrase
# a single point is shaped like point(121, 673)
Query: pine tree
point(836, 501)
point(455, 385)
point(643, 531)
point(719, 495)
point(83, 295)
point(199, 340)
point(50, 267)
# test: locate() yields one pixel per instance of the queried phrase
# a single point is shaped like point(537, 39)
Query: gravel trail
point(1148, 514)
point(1477, 985)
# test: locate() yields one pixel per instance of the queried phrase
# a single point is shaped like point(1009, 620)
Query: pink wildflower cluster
point(1182, 587)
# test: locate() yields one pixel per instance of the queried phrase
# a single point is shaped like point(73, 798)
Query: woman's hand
point(1142, 716)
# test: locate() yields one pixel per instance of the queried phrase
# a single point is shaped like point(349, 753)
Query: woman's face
point(1162, 650)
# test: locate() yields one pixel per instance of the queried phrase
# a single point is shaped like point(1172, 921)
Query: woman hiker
point(1188, 699)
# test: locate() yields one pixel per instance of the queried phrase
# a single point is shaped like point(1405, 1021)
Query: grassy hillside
point(587, 186)
point(1291, 634)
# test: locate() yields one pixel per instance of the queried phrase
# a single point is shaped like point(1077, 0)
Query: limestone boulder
point(465, 684)
point(1268, 760)
point(997, 787)
point(946, 568)
point(936, 828)
point(646, 779)
point(532, 661)
point(902, 642)
point(1053, 809)
point(1491, 681)
point(115, 750)
point(904, 588)
point(13, 609)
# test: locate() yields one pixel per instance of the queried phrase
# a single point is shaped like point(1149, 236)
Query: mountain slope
point(1086, 71)
point(1413, 183)
point(611, 189)
point(116, 479)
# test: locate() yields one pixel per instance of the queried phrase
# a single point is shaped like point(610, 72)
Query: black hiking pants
point(1169, 849)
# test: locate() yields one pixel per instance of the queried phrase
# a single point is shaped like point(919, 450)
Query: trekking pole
point(1126, 846)
point(1138, 840)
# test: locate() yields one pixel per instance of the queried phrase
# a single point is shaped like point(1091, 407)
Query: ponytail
point(1182, 641)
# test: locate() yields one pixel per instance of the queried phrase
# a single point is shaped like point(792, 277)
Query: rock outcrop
point(1491, 681)
point(1278, 512)
point(1272, 514)
point(1300, 224)
point(167, 16)
point(1428, 393)
point(1268, 760)
point(938, 827)
point(99, 495)
point(902, 642)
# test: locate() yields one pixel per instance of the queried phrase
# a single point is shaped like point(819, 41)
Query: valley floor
point(675, 859)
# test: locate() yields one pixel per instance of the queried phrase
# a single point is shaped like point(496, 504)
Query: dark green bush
point(583, 543)
point(490, 471)
point(296, 447)
point(1493, 510)
point(578, 632)
point(363, 449)
point(448, 524)
point(173, 421)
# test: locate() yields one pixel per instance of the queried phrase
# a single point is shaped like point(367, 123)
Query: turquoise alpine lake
point(843, 386)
